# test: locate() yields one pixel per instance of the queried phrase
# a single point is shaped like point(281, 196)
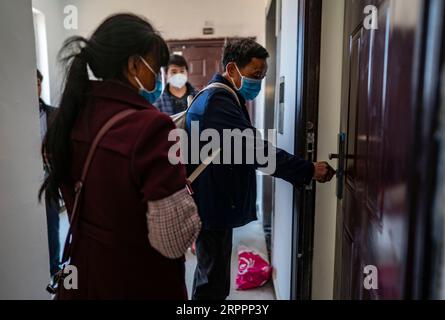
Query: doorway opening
point(42, 52)
point(204, 57)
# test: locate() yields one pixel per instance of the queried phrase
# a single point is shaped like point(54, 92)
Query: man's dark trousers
point(212, 274)
point(52, 219)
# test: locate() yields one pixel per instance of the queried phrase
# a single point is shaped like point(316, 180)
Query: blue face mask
point(250, 88)
point(150, 96)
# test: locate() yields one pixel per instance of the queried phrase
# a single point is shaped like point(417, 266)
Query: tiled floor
point(251, 236)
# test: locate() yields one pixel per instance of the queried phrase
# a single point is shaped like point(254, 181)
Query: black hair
point(39, 75)
point(106, 52)
point(242, 51)
point(177, 60)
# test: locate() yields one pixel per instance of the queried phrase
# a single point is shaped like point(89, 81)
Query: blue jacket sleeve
point(224, 113)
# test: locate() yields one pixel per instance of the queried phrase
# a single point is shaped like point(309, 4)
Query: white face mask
point(178, 80)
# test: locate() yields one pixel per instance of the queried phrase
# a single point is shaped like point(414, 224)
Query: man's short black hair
point(242, 51)
point(39, 75)
point(177, 60)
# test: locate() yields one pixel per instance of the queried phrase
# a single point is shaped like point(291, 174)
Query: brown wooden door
point(203, 57)
point(378, 128)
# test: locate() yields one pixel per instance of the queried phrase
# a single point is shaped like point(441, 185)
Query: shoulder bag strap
point(79, 184)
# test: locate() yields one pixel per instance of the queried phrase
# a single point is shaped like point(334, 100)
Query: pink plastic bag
point(253, 269)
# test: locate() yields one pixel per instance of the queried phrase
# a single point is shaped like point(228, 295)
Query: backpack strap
point(215, 85)
point(79, 184)
point(208, 160)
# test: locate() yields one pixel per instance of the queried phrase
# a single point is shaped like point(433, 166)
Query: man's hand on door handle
point(323, 172)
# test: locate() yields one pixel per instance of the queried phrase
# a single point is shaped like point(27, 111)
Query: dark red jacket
point(112, 252)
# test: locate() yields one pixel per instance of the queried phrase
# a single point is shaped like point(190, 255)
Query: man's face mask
point(150, 96)
point(250, 88)
point(178, 81)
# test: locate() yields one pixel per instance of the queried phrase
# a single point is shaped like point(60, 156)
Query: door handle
point(341, 157)
point(333, 156)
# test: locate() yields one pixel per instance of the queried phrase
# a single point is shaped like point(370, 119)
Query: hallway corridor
point(251, 236)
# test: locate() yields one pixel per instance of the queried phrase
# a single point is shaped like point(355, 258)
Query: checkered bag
point(173, 224)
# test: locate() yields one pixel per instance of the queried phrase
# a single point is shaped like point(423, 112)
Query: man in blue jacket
point(226, 193)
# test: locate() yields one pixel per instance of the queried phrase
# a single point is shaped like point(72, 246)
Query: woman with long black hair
point(124, 243)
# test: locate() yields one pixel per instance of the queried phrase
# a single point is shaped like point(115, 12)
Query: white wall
point(55, 34)
point(182, 19)
point(24, 266)
point(328, 129)
point(282, 222)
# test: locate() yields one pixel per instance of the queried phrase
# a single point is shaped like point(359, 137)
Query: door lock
point(310, 150)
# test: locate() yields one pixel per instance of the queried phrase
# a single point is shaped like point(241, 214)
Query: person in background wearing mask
point(47, 114)
point(125, 244)
point(174, 98)
point(226, 194)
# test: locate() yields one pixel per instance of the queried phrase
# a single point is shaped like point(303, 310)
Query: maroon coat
point(112, 252)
